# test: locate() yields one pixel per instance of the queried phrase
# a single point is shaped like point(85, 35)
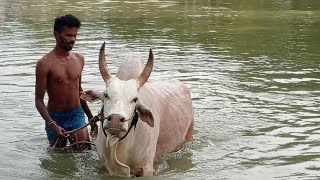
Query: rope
point(75, 130)
point(68, 147)
point(100, 118)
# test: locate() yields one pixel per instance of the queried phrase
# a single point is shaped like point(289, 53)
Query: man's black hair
point(66, 20)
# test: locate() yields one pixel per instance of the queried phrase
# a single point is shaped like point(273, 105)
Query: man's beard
point(67, 47)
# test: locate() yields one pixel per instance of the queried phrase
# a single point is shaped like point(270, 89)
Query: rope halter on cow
point(133, 123)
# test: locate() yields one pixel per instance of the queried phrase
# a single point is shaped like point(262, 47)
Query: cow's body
point(172, 98)
point(171, 108)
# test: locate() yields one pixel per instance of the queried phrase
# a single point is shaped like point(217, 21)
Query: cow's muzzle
point(115, 124)
point(109, 118)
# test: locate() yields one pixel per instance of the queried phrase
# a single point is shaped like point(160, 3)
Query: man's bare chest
point(65, 73)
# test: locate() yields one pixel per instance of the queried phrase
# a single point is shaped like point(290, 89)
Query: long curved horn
point(144, 76)
point(103, 65)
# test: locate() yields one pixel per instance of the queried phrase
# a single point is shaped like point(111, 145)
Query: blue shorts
point(68, 120)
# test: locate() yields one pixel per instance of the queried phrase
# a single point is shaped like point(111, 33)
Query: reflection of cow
point(165, 117)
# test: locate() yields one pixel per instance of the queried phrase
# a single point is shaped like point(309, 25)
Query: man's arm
point(85, 107)
point(83, 103)
point(41, 86)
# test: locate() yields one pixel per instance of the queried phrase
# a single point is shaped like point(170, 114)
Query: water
point(252, 67)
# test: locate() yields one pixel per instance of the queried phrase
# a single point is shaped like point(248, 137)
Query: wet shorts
point(68, 120)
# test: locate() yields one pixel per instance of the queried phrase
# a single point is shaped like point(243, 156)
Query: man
point(59, 73)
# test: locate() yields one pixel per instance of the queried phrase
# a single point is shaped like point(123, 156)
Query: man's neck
point(61, 52)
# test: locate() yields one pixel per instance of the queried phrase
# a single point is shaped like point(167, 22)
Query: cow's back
point(172, 103)
point(130, 67)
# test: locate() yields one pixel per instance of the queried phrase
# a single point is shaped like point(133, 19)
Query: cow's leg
point(190, 131)
point(146, 170)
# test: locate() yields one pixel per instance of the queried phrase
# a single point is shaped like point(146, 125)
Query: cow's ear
point(144, 113)
point(90, 96)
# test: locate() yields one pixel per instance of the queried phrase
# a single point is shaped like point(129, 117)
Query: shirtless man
point(59, 73)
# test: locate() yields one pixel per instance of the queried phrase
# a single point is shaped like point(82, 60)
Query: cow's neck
point(115, 167)
point(121, 151)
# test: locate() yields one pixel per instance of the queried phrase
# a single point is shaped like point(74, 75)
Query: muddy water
point(252, 68)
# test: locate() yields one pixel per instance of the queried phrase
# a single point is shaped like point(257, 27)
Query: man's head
point(65, 31)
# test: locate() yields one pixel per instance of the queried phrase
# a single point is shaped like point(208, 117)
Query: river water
point(252, 68)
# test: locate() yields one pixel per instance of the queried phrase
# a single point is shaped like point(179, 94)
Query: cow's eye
point(106, 95)
point(134, 100)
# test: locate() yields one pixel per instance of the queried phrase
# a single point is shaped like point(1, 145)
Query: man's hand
point(94, 126)
point(58, 131)
point(94, 130)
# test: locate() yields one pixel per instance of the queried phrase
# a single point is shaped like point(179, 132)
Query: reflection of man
point(59, 73)
point(2, 17)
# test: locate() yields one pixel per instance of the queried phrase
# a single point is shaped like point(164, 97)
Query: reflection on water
point(252, 67)
point(69, 165)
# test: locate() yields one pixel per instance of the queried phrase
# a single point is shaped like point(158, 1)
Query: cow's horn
point(147, 70)
point(102, 64)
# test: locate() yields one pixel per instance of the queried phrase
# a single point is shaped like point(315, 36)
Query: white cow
point(165, 117)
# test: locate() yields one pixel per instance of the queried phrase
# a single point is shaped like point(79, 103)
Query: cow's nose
point(116, 117)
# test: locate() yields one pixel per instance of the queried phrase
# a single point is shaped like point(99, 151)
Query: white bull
point(165, 117)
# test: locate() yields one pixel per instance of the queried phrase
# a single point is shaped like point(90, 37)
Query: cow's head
point(120, 99)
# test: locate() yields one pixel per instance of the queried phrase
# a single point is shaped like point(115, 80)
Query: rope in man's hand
point(92, 122)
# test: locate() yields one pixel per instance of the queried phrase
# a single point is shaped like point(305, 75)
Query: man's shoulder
point(45, 60)
point(78, 55)
point(43, 65)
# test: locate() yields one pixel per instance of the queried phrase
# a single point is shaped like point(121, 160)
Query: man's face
point(67, 37)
